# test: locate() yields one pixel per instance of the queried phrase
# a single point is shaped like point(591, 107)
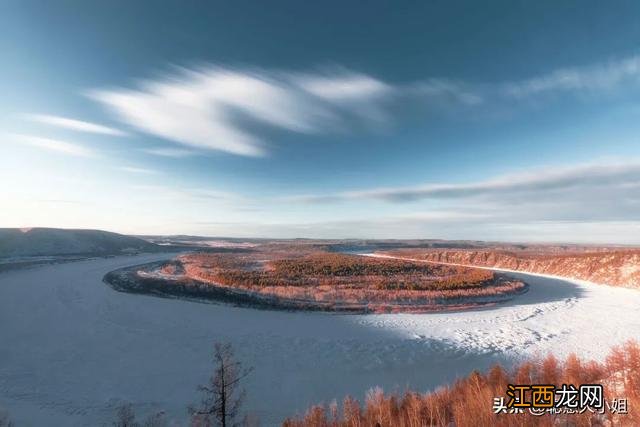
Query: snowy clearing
point(72, 349)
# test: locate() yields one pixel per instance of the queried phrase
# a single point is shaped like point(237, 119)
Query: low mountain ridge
point(21, 242)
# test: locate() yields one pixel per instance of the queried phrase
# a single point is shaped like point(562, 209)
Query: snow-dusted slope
point(16, 242)
point(72, 348)
point(614, 267)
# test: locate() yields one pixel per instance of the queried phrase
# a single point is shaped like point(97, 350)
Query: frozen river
point(72, 349)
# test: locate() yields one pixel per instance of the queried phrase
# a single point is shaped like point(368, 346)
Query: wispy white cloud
point(595, 77)
point(56, 145)
point(169, 152)
point(596, 202)
point(76, 125)
point(203, 193)
point(343, 86)
point(196, 108)
point(582, 202)
point(542, 182)
point(138, 170)
point(349, 94)
point(445, 89)
point(218, 108)
point(207, 108)
point(213, 107)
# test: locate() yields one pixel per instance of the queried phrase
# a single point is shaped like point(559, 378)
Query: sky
point(507, 120)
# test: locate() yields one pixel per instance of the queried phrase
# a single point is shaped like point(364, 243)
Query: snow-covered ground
point(72, 349)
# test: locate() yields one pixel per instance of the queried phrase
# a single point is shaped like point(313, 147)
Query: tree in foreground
point(5, 421)
point(222, 397)
point(126, 417)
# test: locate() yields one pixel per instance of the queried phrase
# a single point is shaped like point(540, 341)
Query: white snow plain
point(72, 349)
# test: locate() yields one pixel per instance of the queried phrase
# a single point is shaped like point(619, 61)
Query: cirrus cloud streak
point(539, 180)
point(75, 125)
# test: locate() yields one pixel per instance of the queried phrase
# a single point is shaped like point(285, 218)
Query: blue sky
point(508, 121)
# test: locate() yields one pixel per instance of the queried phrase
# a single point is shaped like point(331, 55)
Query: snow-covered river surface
point(72, 349)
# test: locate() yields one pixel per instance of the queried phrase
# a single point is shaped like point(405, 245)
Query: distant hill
point(21, 242)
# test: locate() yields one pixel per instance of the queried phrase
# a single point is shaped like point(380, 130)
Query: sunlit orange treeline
point(469, 401)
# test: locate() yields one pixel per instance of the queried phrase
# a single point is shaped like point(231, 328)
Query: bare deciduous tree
point(223, 396)
point(157, 419)
point(125, 416)
point(5, 421)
